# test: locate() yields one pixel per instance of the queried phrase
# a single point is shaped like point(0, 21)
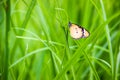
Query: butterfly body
point(77, 31)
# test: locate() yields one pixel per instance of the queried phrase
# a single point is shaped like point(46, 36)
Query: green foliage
point(40, 47)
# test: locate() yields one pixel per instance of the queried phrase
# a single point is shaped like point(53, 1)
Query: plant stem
point(108, 39)
point(6, 39)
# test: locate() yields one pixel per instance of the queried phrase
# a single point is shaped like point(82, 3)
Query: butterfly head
point(69, 24)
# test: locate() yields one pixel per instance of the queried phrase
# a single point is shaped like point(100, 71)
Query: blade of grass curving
point(108, 39)
point(105, 45)
point(105, 65)
point(86, 16)
point(97, 9)
point(68, 53)
point(11, 72)
point(115, 25)
point(117, 65)
point(8, 11)
point(90, 63)
point(22, 71)
point(117, 56)
point(42, 42)
point(44, 24)
point(29, 11)
point(28, 14)
point(112, 37)
point(55, 65)
point(27, 55)
point(101, 48)
point(31, 38)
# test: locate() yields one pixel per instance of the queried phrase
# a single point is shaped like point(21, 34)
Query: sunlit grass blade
point(27, 55)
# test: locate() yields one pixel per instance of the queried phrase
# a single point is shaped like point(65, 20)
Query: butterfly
point(77, 31)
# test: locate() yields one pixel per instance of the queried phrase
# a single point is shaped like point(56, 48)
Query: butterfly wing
point(77, 32)
point(85, 33)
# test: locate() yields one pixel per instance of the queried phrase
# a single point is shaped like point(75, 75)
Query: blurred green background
point(35, 43)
